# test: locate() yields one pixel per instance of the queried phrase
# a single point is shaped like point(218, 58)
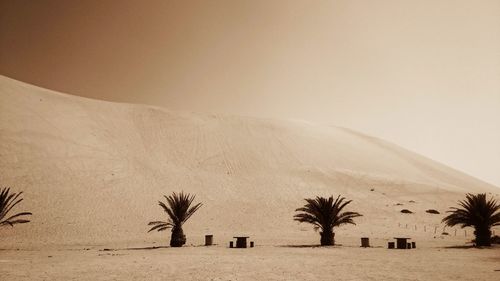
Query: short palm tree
point(325, 214)
point(476, 212)
point(179, 210)
point(7, 202)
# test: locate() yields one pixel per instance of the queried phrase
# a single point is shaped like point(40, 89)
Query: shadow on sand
point(463, 247)
point(148, 248)
point(309, 246)
point(134, 248)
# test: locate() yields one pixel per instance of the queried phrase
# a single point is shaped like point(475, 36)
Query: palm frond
point(7, 202)
point(12, 223)
point(160, 227)
point(18, 215)
point(192, 210)
point(156, 222)
point(346, 218)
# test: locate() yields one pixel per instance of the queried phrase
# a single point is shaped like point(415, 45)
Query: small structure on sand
point(402, 243)
point(209, 240)
point(365, 242)
point(241, 242)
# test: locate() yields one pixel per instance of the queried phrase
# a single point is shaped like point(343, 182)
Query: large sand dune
point(93, 171)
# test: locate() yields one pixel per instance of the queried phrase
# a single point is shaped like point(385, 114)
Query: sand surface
point(93, 171)
point(347, 262)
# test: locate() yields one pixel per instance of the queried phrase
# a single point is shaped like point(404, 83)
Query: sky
point(424, 74)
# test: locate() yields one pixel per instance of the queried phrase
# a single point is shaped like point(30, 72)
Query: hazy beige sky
point(424, 74)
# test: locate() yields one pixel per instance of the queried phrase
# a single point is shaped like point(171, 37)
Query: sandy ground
point(430, 261)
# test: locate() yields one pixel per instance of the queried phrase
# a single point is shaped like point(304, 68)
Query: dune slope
point(93, 171)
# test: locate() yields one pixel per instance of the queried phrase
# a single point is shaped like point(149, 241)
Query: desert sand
point(93, 171)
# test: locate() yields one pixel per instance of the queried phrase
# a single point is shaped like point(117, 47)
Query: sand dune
point(93, 171)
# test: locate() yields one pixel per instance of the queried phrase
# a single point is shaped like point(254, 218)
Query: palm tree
point(179, 210)
point(325, 214)
point(477, 212)
point(7, 202)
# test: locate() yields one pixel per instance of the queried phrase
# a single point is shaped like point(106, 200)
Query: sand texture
point(93, 171)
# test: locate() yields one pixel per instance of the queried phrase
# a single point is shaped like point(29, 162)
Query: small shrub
point(432, 211)
point(411, 201)
point(406, 211)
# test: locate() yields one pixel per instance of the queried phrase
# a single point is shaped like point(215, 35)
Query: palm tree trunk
point(178, 238)
point(327, 238)
point(483, 236)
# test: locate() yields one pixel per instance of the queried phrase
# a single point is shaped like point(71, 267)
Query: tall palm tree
point(325, 214)
point(476, 212)
point(179, 210)
point(7, 202)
